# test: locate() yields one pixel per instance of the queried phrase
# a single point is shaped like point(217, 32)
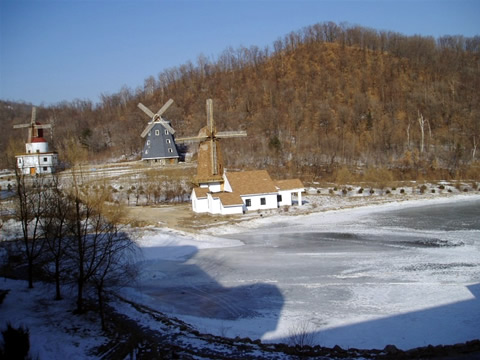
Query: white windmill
point(37, 158)
point(159, 143)
point(210, 160)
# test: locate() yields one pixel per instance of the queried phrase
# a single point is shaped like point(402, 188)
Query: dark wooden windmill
point(210, 160)
point(159, 143)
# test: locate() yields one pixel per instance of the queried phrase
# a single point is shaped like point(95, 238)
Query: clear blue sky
point(52, 51)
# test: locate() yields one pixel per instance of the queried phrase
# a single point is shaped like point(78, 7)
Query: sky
point(61, 50)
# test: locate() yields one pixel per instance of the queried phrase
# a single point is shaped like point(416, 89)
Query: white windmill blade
point(213, 146)
point(231, 134)
point(210, 124)
point(147, 129)
point(34, 114)
point(20, 126)
point(166, 125)
point(164, 107)
point(191, 139)
point(146, 110)
point(43, 126)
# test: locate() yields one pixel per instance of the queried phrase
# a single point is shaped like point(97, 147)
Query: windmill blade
point(213, 146)
point(34, 114)
point(146, 110)
point(167, 126)
point(20, 126)
point(191, 139)
point(230, 134)
point(164, 107)
point(147, 129)
point(210, 124)
point(44, 126)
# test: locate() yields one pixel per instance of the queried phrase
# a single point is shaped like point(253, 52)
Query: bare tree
point(54, 228)
point(421, 122)
point(29, 210)
point(115, 265)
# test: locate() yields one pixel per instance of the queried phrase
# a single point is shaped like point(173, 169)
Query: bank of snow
point(55, 332)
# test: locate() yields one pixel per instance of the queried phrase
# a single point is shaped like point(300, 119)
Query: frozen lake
point(360, 278)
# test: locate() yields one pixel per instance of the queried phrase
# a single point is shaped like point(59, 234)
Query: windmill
point(37, 158)
point(210, 162)
point(160, 144)
point(35, 130)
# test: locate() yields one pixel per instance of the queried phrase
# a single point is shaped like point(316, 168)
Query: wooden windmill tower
point(37, 158)
point(210, 160)
point(159, 143)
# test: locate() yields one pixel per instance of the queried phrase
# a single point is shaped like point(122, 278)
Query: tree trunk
point(58, 295)
point(100, 305)
point(80, 284)
point(30, 272)
point(421, 121)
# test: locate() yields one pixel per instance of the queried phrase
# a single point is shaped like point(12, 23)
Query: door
point(33, 170)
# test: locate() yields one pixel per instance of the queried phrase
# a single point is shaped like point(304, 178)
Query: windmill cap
point(38, 140)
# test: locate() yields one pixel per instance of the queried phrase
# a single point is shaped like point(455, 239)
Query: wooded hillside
point(320, 99)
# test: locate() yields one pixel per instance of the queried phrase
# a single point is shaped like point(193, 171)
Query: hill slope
point(321, 98)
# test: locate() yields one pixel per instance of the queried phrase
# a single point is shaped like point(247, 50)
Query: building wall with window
point(260, 201)
point(32, 164)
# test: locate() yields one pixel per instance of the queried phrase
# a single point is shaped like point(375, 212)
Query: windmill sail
point(210, 164)
point(156, 117)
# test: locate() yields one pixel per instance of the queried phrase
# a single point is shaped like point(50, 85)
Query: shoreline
point(328, 208)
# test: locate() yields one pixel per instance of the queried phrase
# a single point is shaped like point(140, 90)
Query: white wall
point(213, 204)
point(215, 187)
point(36, 147)
point(226, 184)
point(286, 198)
point(270, 201)
point(43, 163)
point(199, 205)
point(231, 210)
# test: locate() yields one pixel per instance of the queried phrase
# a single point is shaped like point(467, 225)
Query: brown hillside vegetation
point(322, 99)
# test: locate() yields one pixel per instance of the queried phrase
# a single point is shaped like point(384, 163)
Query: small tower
point(37, 158)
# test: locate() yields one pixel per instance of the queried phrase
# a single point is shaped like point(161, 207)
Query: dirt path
point(172, 216)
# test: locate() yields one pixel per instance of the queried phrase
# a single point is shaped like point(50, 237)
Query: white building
point(37, 158)
point(244, 191)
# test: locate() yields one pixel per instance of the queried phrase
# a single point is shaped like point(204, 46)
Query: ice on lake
point(360, 278)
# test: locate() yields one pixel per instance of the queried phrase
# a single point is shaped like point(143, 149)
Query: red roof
point(38, 140)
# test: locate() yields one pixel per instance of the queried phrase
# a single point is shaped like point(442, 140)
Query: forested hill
point(319, 99)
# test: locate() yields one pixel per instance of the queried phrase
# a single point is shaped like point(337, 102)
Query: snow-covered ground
point(396, 273)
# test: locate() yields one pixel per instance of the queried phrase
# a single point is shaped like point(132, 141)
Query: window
point(45, 159)
point(157, 132)
point(146, 152)
point(263, 201)
point(45, 168)
point(19, 160)
point(248, 202)
point(168, 141)
point(166, 132)
point(170, 150)
point(279, 198)
point(38, 151)
point(148, 142)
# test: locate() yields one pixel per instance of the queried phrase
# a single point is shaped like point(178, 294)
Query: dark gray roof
point(159, 144)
